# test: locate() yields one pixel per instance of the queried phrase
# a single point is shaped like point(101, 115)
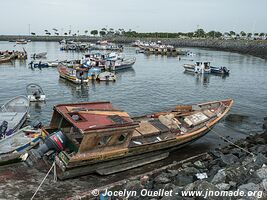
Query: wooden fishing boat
point(13, 114)
point(4, 59)
point(35, 92)
point(97, 137)
point(77, 75)
point(14, 146)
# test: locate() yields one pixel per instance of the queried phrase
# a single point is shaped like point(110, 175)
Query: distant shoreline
point(252, 47)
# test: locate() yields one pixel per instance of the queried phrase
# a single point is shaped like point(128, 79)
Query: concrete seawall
point(252, 47)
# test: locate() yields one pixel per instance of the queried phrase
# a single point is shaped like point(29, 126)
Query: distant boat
point(95, 73)
point(78, 75)
point(39, 55)
point(120, 64)
point(4, 59)
point(99, 138)
point(13, 114)
point(199, 67)
point(220, 70)
point(106, 76)
point(39, 64)
point(35, 92)
point(21, 41)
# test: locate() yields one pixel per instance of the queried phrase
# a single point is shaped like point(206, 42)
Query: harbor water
point(155, 83)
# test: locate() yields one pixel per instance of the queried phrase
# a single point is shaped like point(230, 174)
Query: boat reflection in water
point(204, 79)
point(77, 90)
point(130, 72)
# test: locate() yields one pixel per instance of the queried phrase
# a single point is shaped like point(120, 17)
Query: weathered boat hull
point(133, 160)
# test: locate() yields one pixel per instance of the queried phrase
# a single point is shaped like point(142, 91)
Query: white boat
point(35, 92)
point(39, 55)
point(13, 114)
point(198, 67)
point(106, 76)
point(55, 63)
point(20, 141)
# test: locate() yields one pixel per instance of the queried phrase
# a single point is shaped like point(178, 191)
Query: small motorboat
point(120, 64)
point(39, 55)
point(220, 70)
point(77, 75)
point(12, 147)
point(106, 76)
point(39, 65)
point(55, 63)
point(13, 114)
point(35, 93)
point(199, 67)
point(21, 41)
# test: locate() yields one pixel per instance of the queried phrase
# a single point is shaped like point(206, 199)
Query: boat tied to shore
point(198, 67)
point(13, 115)
point(98, 138)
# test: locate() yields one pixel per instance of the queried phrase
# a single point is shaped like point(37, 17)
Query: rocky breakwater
point(234, 172)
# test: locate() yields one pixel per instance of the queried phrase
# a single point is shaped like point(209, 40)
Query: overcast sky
point(139, 15)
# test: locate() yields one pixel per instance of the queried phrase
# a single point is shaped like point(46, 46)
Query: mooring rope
point(224, 138)
point(53, 166)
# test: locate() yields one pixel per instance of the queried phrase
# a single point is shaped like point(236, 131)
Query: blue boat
point(220, 70)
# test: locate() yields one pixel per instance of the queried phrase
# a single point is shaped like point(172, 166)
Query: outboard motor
point(3, 129)
point(56, 141)
point(37, 94)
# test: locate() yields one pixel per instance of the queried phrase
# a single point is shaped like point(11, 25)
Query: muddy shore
point(251, 47)
point(239, 168)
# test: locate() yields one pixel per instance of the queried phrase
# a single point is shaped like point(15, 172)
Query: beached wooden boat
point(97, 137)
point(77, 75)
point(13, 114)
point(35, 92)
point(14, 146)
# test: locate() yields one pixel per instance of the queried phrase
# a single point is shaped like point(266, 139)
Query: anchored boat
point(78, 75)
point(13, 114)
point(220, 70)
point(35, 92)
point(199, 67)
point(97, 137)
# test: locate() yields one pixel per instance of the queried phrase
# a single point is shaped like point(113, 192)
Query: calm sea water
point(155, 83)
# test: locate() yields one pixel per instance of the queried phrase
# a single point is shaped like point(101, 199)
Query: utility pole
point(29, 28)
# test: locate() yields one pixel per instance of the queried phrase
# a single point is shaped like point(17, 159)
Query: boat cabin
point(94, 127)
point(206, 65)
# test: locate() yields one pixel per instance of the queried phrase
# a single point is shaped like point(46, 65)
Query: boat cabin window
point(104, 140)
point(122, 138)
